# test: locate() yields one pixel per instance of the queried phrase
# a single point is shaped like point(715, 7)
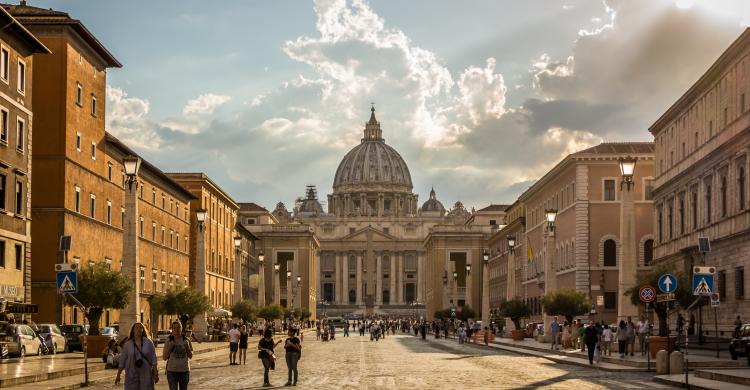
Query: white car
point(162, 336)
point(108, 331)
point(53, 337)
point(20, 339)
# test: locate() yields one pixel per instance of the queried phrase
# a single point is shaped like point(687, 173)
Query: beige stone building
point(17, 51)
point(219, 232)
point(506, 268)
point(701, 188)
point(584, 189)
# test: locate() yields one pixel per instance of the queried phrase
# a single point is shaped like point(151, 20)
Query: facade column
point(359, 278)
point(392, 276)
point(550, 274)
point(276, 286)
point(238, 274)
point(379, 279)
point(261, 284)
point(337, 284)
point(381, 204)
point(485, 292)
point(363, 204)
point(627, 266)
point(345, 280)
point(400, 282)
point(420, 277)
point(129, 315)
point(288, 288)
point(469, 279)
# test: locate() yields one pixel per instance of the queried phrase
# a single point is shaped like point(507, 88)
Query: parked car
point(108, 331)
point(740, 345)
point(53, 337)
point(162, 336)
point(19, 339)
point(71, 333)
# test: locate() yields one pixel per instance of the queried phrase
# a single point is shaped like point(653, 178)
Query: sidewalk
point(14, 372)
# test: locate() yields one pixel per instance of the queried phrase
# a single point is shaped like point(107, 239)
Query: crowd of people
point(598, 339)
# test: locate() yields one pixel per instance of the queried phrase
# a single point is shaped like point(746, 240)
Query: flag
point(529, 251)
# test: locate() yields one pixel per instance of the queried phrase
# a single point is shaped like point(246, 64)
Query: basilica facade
point(367, 246)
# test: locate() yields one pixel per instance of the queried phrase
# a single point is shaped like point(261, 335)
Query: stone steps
point(735, 376)
point(678, 380)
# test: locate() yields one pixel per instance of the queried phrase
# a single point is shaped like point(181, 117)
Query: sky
point(481, 98)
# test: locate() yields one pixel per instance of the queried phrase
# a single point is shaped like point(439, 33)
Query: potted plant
point(184, 302)
point(100, 288)
point(515, 309)
point(683, 296)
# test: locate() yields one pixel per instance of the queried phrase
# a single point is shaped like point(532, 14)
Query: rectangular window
point(163, 281)
point(609, 190)
point(648, 189)
point(79, 94)
point(20, 133)
point(141, 226)
point(171, 238)
point(78, 142)
point(93, 105)
point(610, 300)
point(154, 278)
point(21, 77)
point(78, 200)
point(93, 150)
point(153, 231)
point(2, 191)
point(142, 277)
point(694, 206)
point(739, 283)
point(19, 256)
point(93, 206)
point(2, 254)
point(109, 213)
point(163, 235)
point(722, 287)
point(109, 174)
point(4, 125)
point(19, 197)
point(4, 63)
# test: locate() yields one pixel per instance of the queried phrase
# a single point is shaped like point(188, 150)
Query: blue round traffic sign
point(667, 283)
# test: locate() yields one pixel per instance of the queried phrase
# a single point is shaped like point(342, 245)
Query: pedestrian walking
point(622, 338)
point(608, 335)
point(266, 355)
point(643, 329)
point(138, 360)
point(737, 327)
point(177, 352)
point(346, 329)
point(591, 337)
point(554, 331)
point(486, 336)
point(293, 347)
point(234, 343)
point(243, 345)
point(631, 335)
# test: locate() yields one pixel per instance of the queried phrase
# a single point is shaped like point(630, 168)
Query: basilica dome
point(372, 163)
point(433, 205)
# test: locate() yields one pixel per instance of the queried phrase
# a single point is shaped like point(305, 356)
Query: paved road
point(406, 362)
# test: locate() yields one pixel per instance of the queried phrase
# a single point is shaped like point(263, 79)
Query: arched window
point(610, 253)
point(648, 252)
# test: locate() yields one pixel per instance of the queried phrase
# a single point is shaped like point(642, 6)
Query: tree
point(515, 309)
point(100, 288)
point(566, 302)
point(271, 312)
point(246, 310)
point(185, 302)
point(465, 313)
point(683, 293)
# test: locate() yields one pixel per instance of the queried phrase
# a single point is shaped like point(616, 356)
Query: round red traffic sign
point(647, 294)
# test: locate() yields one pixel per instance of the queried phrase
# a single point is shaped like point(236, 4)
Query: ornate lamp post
point(468, 293)
point(550, 268)
point(455, 289)
point(200, 326)
point(510, 280)
point(445, 288)
point(276, 283)
point(289, 289)
point(296, 290)
point(238, 275)
point(129, 315)
point(627, 266)
point(261, 280)
point(485, 287)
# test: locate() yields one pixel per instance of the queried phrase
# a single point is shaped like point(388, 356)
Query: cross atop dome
point(372, 128)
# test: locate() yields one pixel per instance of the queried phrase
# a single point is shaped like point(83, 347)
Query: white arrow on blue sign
point(667, 283)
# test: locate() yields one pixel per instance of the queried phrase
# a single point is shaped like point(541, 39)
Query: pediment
point(362, 235)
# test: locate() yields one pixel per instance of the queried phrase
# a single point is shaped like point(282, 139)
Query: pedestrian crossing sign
point(67, 282)
point(703, 284)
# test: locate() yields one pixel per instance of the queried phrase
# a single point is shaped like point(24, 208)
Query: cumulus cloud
point(205, 104)
point(456, 130)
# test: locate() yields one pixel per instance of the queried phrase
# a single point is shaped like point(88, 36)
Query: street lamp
point(511, 243)
point(627, 168)
point(261, 257)
point(200, 216)
point(276, 267)
point(299, 280)
point(237, 242)
point(455, 275)
point(131, 164)
point(445, 278)
point(468, 269)
point(486, 257)
point(550, 215)
point(288, 275)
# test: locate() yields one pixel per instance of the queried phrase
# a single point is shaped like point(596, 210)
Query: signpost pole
point(648, 353)
point(85, 336)
point(716, 331)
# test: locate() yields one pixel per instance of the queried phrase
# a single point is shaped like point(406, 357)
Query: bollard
point(675, 363)
point(662, 362)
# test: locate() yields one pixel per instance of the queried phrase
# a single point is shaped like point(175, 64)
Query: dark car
point(740, 344)
point(71, 333)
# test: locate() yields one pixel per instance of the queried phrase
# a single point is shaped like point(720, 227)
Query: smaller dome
point(433, 205)
point(310, 204)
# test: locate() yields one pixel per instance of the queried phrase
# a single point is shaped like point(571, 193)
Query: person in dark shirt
point(293, 347)
point(266, 355)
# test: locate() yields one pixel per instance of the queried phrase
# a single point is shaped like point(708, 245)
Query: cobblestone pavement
point(406, 362)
